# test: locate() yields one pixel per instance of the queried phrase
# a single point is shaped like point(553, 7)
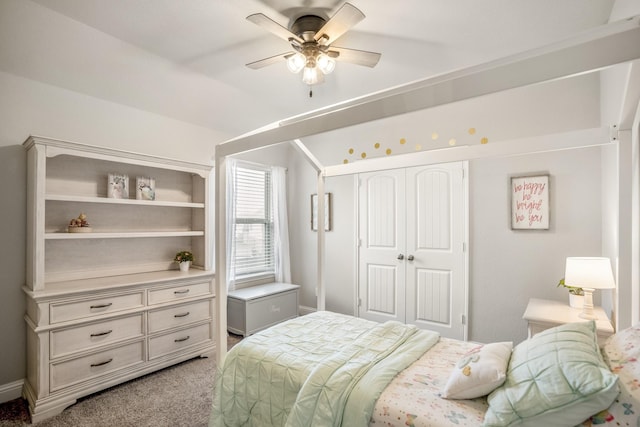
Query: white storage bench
point(252, 309)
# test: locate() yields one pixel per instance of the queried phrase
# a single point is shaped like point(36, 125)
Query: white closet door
point(435, 267)
point(382, 241)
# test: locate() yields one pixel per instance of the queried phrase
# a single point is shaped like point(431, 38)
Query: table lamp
point(588, 273)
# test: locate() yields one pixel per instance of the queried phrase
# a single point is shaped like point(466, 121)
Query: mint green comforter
point(323, 369)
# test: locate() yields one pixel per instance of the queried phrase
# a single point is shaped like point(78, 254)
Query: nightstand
point(543, 314)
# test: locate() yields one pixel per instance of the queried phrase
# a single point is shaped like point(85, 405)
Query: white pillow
point(479, 372)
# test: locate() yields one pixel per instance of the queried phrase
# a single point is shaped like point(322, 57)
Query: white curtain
point(280, 225)
point(231, 220)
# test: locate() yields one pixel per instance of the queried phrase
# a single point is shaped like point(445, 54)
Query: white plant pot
point(184, 266)
point(576, 301)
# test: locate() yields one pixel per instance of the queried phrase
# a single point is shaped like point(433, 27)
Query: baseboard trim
point(303, 309)
point(11, 391)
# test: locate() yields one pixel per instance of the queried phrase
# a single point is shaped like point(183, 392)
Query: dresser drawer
point(178, 292)
point(171, 317)
point(65, 374)
point(179, 340)
point(82, 309)
point(68, 340)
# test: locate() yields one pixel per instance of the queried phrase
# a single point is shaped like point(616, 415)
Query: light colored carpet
point(178, 396)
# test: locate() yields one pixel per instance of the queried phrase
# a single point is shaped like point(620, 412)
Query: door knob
point(401, 257)
point(410, 257)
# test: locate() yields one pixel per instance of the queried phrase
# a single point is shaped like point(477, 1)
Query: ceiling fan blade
point(273, 27)
point(354, 56)
point(346, 17)
point(268, 61)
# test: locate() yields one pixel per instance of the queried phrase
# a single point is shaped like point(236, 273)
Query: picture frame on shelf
point(530, 202)
point(145, 188)
point(327, 212)
point(117, 186)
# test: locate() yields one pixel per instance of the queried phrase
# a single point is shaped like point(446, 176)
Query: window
point(253, 228)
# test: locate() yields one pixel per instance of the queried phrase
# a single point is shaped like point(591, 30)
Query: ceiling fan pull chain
point(310, 91)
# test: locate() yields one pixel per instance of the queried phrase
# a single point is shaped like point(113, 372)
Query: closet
point(412, 247)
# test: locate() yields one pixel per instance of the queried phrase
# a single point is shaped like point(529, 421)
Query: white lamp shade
point(589, 272)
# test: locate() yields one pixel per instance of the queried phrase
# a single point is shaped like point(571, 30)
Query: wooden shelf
point(88, 199)
point(121, 235)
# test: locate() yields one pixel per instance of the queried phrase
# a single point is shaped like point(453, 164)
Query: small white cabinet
point(252, 309)
point(543, 314)
point(109, 305)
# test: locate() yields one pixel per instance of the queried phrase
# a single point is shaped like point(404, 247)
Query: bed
point(327, 369)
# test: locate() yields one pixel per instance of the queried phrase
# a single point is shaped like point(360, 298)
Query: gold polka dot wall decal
point(345, 161)
point(472, 131)
point(350, 150)
point(484, 140)
point(403, 141)
point(434, 136)
point(452, 141)
point(363, 155)
point(418, 147)
point(388, 151)
point(376, 145)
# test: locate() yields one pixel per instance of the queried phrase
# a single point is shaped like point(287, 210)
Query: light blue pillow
point(556, 378)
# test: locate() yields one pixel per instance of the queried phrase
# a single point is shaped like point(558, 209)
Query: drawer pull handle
point(99, 334)
point(182, 339)
point(184, 291)
point(181, 315)
point(94, 365)
point(109, 304)
point(275, 309)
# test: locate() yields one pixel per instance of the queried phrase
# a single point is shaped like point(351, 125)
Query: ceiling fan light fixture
point(310, 76)
point(296, 62)
point(326, 63)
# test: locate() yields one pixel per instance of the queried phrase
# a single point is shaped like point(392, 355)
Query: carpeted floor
point(178, 396)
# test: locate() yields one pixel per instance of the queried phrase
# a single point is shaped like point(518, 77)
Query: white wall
point(30, 107)
point(507, 267)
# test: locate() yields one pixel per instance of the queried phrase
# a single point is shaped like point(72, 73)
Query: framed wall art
point(530, 202)
point(145, 188)
point(327, 212)
point(117, 186)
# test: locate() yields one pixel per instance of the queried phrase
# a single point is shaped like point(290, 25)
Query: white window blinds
point(253, 228)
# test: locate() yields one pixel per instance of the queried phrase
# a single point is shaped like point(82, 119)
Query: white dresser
point(252, 309)
point(109, 304)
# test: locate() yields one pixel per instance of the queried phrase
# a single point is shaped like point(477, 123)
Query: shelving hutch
point(110, 305)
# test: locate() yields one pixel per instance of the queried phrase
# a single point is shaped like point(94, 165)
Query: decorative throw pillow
point(622, 355)
point(556, 378)
point(479, 372)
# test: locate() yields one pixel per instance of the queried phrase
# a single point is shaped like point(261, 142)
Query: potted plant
point(576, 294)
point(184, 259)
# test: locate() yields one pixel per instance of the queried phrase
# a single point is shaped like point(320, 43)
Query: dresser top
point(260, 291)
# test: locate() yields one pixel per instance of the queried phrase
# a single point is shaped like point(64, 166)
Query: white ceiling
point(417, 39)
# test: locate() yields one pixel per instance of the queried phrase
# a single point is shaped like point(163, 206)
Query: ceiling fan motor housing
point(307, 26)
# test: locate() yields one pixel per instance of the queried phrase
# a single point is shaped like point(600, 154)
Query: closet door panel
point(435, 285)
point(382, 240)
point(433, 296)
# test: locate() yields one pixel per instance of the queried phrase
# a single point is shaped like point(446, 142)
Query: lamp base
point(587, 316)
point(587, 308)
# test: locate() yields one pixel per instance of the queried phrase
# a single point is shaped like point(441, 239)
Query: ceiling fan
point(311, 38)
